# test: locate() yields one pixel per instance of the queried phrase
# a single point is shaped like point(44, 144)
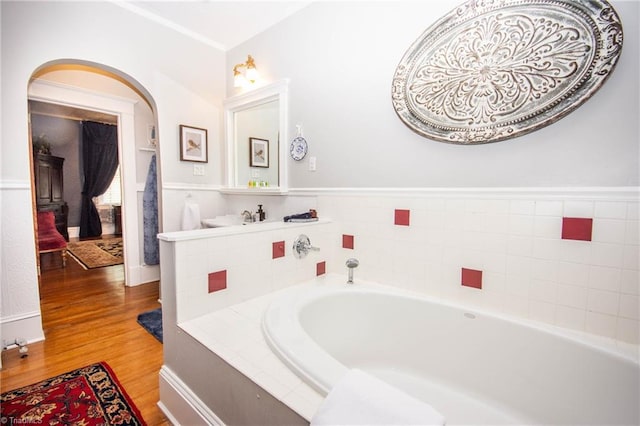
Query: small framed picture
point(193, 144)
point(258, 152)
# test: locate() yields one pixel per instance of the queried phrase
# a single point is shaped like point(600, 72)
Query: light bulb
point(252, 74)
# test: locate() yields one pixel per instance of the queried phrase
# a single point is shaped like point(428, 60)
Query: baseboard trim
point(180, 404)
point(27, 326)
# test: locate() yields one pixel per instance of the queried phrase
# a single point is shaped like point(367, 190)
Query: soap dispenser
point(261, 215)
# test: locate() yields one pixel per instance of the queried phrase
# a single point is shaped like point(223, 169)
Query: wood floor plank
point(89, 316)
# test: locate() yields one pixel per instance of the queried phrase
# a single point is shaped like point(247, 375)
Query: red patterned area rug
point(88, 396)
point(97, 253)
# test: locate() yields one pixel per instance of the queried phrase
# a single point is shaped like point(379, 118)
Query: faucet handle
point(247, 216)
point(302, 246)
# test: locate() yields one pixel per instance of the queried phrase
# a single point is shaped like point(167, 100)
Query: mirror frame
point(278, 90)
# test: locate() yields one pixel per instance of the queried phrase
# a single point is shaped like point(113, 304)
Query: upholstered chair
point(49, 239)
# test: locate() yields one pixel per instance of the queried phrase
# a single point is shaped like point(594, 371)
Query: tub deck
point(235, 335)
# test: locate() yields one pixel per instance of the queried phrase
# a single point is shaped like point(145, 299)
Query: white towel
point(190, 216)
point(361, 399)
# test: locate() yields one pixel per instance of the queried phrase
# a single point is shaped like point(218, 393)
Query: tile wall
point(569, 260)
point(214, 270)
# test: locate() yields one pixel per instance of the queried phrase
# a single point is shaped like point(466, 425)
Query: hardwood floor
point(90, 316)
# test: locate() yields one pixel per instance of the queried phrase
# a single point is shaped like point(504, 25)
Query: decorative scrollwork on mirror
point(493, 70)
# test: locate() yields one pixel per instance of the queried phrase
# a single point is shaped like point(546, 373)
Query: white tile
point(544, 248)
point(633, 211)
point(610, 209)
point(570, 317)
point(629, 306)
point(609, 231)
point(522, 207)
point(578, 209)
point(545, 269)
point(572, 296)
point(271, 385)
point(520, 245)
point(573, 273)
point(604, 302)
point(521, 225)
point(472, 240)
point(516, 305)
point(431, 253)
point(549, 208)
point(309, 394)
point(273, 366)
point(519, 266)
point(494, 222)
point(475, 206)
point(630, 282)
point(604, 254)
point(303, 407)
point(493, 262)
point(453, 205)
point(500, 207)
point(542, 311)
point(547, 227)
point(575, 251)
point(601, 324)
point(543, 291)
point(472, 221)
point(604, 278)
point(628, 331)
point(493, 300)
point(632, 233)
point(435, 204)
point(254, 353)
point(631, 257)
point(245, 366)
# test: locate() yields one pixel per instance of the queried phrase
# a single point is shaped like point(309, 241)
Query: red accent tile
point(277, 249)
point(217, 281)
point(471, 278)
point(576, 228)
point(347, 241)
point(321, 268)
point(402, 217)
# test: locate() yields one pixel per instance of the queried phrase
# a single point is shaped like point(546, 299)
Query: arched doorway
point(98, 88)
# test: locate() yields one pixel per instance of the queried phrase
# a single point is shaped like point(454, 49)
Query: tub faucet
point(351, 264)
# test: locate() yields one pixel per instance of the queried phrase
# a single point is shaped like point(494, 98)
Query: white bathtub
point(474, 368)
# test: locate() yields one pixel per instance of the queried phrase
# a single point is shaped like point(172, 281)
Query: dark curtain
point(99, 165)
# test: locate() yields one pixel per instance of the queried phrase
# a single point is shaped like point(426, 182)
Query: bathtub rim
point(291, 300)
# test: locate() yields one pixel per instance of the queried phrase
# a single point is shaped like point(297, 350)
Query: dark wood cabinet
point(49, 189)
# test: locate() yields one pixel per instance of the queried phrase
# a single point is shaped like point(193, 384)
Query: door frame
point(123, 109)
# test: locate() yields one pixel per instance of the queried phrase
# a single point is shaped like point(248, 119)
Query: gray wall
point(64, 136)
point(341, 58)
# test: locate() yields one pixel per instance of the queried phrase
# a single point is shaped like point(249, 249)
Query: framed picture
point(258, 152)
point(193, 144)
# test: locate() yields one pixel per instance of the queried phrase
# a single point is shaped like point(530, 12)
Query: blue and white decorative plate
point(298, 148)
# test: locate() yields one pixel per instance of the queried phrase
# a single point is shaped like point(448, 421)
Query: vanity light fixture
point(250, 74)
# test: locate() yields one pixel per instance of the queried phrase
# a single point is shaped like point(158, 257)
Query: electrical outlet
point(198, 170)
point(312, 164)
point(255, 173)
